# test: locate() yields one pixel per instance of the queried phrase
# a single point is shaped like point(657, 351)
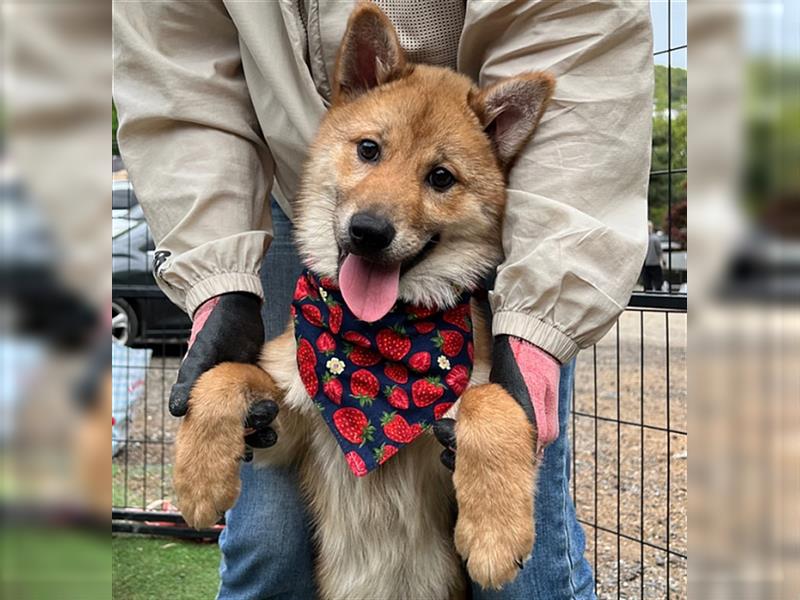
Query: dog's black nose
point(370, 232)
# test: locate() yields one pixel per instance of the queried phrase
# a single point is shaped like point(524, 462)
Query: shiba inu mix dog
point(398, 219)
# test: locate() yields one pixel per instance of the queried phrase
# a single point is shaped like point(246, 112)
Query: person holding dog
point(218, 102)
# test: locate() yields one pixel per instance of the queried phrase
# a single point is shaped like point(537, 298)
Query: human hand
point(226, 328)
point(531, 376)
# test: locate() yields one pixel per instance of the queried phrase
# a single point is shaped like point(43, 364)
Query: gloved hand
point(226, 328)
point(530, 375)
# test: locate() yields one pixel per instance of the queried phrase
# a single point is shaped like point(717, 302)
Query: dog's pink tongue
point(370, 290)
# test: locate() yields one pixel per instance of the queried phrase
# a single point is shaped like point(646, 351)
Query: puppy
point(398, 220)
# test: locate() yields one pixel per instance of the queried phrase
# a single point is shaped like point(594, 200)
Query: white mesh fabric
point(429, 31)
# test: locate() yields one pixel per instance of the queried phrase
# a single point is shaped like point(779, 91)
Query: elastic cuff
point(222, 283)
point(537, 332)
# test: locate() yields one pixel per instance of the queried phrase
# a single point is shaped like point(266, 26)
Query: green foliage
point(678, 81)
point(114, 125)
point(660, 190)
point(772, 130)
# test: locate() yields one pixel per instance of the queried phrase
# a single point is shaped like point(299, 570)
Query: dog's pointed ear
point(370, 54)
point(510, 111)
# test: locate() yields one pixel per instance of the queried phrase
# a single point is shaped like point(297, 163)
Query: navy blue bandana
point(379, 385)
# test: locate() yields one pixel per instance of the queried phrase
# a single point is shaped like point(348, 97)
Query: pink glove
point(200, 317)
point(541, 374)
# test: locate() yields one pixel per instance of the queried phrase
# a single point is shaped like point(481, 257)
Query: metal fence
point(629, 418)
point(629, 461)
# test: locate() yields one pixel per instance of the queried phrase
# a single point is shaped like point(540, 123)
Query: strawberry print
point(327, 283)
point(420, 362)
point(424, 327)
point(378, 386)
point(396, 396)
point(312, 314)
point(457, 379)
point(357, 339)
point(471, 352)
point(440, 409)
point(397, 429)
point(353, 425)
point(394, 344)
point(384, 453)
point(459, 316)
point(419, 312)
point(364, 386)
point(304, 289)
point(310, 381)
point(426, 391)
point(306, 363)
point(356, 463)
point(325, 343)
point(332, 388)
point(449, 342)
point(361, 357)
point(396, 372)
point(335, 317)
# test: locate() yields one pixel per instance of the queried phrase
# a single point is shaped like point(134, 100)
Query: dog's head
point(404, 188)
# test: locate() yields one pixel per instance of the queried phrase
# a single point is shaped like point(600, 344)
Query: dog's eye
point(441, 179)
point(368, 150)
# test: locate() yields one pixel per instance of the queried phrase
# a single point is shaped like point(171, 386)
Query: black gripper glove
point(232, 332)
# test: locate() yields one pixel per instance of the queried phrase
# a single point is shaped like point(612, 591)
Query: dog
point(401, 205)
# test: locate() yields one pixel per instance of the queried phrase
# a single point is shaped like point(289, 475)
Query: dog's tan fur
point(488, 462)
point(390, 533)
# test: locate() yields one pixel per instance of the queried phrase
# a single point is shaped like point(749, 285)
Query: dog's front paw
point(211, 442)
point(493, 553)
point(206, 473)
point(494, 480)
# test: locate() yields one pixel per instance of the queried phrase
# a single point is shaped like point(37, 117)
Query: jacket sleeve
point(575, 230)
point(190, 139)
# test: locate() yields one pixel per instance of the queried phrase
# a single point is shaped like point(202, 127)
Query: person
point(652, 272)
point(218, 102)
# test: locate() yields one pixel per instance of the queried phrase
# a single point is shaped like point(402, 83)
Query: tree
point(114, 124)
point(668, 110)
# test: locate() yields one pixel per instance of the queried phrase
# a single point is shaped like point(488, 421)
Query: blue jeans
point(266, 547)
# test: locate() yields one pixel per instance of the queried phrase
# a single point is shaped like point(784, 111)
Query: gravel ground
point(142, 472)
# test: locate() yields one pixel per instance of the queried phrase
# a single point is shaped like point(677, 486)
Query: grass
point(135, 486)
point(154, 568)
point(50, 563)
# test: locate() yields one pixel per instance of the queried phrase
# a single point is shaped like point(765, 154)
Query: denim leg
point(279, 272)
point(266, 547)
point(557, 569)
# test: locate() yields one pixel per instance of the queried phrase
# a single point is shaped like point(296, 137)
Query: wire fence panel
point(629, 464)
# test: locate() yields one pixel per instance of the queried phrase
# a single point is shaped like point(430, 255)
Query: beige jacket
point(218, 102)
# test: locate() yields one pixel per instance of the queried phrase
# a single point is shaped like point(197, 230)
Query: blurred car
point(141, 314)
point(675, 262)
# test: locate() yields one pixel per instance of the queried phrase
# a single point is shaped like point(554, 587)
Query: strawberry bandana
point(379, 385)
